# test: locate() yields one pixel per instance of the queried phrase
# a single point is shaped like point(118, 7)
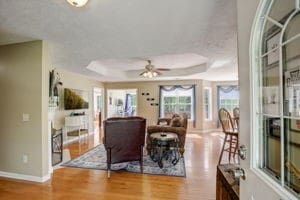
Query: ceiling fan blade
point(140, 58)
point(158, 73)
point(141, 74)
point(163, 69)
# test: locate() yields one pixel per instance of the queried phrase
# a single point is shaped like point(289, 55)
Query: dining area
point(230, 127)
point(228, 169)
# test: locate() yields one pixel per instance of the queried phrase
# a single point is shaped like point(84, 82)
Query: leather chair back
point(124, 137)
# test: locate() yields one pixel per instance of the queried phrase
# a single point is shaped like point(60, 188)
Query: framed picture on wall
point(292, 97)
point(294, 125)
point(272, 44)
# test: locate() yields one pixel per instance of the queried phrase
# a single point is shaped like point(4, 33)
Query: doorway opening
point(121, 102)
point(98, 109)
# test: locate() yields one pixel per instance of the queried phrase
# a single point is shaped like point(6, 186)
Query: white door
point(268, 53)
point(98, 106)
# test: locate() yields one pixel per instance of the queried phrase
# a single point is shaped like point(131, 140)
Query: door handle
point(238, 173)
point(242, 151)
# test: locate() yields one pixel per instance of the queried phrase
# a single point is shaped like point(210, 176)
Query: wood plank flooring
point(201, 156)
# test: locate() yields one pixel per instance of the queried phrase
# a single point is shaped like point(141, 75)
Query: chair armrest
point(156, 129)
point(168, 120)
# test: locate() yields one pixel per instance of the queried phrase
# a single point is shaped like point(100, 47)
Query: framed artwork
point(292, 97)
point(294, 125)
point(273, 43)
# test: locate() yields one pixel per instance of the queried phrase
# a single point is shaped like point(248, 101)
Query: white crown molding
point(25, 177)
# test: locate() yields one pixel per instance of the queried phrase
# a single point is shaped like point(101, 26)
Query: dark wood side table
point(227, 187)
point(164, 146)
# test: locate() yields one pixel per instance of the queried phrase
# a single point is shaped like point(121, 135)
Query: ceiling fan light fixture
point(77, 3)
point(151, 71)
point(145, 74)
point(149, 74)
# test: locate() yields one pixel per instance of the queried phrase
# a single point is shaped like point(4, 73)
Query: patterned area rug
point(96, 159)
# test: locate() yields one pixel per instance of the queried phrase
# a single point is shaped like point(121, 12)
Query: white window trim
point(209, 104)
point(177, 95)
point(254, 55)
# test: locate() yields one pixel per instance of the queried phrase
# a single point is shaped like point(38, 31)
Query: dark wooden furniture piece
point(57, 146)
point(227, 187)
point(231, 135)
point(124, 138)
point(100, 120)
point(164, 146)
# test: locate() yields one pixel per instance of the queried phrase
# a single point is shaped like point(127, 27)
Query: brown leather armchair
point(180, 131)
point(124, 139)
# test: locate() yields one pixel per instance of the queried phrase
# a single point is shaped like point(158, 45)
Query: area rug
point(96, 159)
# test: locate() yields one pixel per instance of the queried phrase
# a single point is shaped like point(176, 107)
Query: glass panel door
point(291, 109)
point(278, 94)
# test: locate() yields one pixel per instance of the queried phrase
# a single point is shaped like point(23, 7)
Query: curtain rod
point(179, 85)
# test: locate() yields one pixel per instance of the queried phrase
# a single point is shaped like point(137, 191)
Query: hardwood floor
point(201, 157)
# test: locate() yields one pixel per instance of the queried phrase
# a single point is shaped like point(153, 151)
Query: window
point(207, 104)
point(121, 102)
point(177, 99)
point(276, 92)
point(228, 97)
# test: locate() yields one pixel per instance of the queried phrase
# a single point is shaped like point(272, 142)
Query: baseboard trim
point(25, 177)
point(205, 131)
point(73, 139)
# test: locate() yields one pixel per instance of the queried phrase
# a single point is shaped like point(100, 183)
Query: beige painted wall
point(22, 70)
point(144, 109)
point(46, 142)
point(151, 112)
point(75, 81)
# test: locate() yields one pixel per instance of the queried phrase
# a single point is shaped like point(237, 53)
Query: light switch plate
point(26, 117)
point(25, 159)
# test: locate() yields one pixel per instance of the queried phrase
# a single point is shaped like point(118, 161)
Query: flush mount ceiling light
point(77, 3)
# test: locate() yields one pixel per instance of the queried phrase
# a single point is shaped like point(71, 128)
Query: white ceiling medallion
point(77, 3)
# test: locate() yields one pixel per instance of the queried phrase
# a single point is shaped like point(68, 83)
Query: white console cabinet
point(76, 122)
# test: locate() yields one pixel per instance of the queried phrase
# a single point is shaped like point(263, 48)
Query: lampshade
point(77, 3)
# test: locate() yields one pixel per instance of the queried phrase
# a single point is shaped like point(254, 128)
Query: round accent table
point(164, 146)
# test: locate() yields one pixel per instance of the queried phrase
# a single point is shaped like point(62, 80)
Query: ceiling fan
point(151, 71)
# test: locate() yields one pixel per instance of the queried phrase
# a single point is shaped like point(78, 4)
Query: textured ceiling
point(115, 31)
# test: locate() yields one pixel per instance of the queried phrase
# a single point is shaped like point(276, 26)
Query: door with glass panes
point(273, 121)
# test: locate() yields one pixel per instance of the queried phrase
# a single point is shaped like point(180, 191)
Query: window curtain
point(227, 89)
point(231, 91)
point(170, 88)
point(128, 105)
